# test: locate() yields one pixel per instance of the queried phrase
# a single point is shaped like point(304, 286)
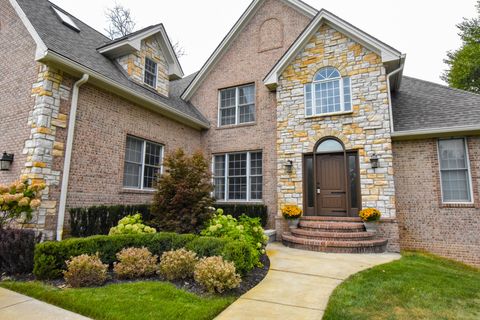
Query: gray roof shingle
point(81, 47)
point(420, 104)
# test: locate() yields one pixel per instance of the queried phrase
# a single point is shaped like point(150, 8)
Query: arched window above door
point(328, 93)
point(330, 145)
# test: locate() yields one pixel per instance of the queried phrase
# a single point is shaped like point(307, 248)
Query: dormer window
point(150, 74)
point(329, 93)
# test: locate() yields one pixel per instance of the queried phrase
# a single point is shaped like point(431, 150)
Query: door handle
point(318, 190)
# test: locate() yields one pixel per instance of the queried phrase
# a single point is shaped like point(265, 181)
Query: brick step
point(329, 226)
point(331, 219)
point(335, 246)
point(326, 235)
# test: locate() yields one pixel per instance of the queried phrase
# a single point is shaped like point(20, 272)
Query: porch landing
point(299, 283)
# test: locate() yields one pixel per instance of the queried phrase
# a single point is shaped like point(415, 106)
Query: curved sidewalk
point(299, 283)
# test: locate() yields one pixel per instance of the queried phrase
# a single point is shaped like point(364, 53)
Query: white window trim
point(249, 199)
point(342, 98)
point(237, 106)
point(469, 173)
point(142, 174)
point(145, 70)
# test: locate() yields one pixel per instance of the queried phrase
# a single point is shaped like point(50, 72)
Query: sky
point(423, 29)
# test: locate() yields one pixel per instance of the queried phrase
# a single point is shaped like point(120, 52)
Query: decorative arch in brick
point(271, 35)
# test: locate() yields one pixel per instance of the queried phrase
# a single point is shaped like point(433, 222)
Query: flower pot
point(371, 226)
point(293, 223)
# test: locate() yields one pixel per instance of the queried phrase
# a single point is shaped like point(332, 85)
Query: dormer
point(147, 56)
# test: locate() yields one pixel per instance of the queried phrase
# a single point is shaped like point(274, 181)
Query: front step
point(326, 235)
point(335, 246)
point(331, 219)
point(329, 226)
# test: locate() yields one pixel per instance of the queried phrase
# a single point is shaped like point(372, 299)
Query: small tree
point(183, 202)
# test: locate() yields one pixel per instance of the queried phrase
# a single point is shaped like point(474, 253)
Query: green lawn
point(418, 286)
point(139, 300)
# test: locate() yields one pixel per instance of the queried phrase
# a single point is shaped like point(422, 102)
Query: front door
point(331, 191)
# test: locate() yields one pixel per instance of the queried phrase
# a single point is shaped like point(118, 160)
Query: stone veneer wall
point(45, 146)
point(425, 223)
point(366, 128)
point(134, 64)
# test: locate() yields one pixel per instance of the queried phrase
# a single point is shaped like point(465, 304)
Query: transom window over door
point(454, 171)
point(237, 105)
point(238, 176)
point(143, 162)
point(328, 93)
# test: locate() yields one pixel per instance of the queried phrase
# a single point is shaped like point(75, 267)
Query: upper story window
point(237, 105)
point(150, 74)
point(328, 93)
point(143, 162)
point(455, 171)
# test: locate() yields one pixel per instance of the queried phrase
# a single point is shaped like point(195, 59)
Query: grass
point(137, 300)
point(418, 286)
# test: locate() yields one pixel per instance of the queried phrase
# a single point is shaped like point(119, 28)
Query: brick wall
point(424, 222)
point(18, 73)
point(263, 41)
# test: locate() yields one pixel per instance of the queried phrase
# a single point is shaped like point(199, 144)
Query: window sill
point(233, 126)
point(458, 205)
point(138, 191)
point(241, 202)
point(329, 114)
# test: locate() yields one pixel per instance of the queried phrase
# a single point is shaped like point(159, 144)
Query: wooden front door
point(331, 190)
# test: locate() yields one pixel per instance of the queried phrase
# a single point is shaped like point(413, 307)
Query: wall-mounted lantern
point(289, 166)
point(374, 161)
point(6, 161)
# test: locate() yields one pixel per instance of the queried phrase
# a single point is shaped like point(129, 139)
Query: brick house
point(295, 106)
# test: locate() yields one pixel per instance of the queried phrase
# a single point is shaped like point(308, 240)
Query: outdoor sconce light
point(374, 161)
point(289, 166)
point(6, 161)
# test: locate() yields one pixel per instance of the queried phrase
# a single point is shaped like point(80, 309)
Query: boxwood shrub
point(50, 257)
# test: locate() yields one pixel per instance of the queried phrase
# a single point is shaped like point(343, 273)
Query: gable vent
point(66, 20)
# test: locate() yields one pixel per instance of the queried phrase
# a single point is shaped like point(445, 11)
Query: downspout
point(68, 156)
point(390, 109)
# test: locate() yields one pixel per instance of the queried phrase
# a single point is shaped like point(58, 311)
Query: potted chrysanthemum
point(370, 217)
point(292, 214)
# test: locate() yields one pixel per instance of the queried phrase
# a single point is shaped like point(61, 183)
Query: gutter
point(390, 108)
point(68, 156)
point(435, 132)
point(54, 57)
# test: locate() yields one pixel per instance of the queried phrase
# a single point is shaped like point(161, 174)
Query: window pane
point(256, 163)
point(256, 186)
point(237, 188)
point(131, 175)
point(219, 188)
point(455, 186)
point(347, 96)
point(149, 176)
point(219, 177)
point(237, 164)
point(134, 150)
point(227, 116)
point(219, 166)
point(227, 98)
point(150, 74)
point(246, 113)
point(246, 95)
point(452, 154)
point(153, 153)
point(327, 73)
point(309, 181)
point(352, 175)
point(308, 99)
point(330, 145)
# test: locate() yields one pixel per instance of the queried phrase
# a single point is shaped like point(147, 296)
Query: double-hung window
point(328, 93)
point(237, 105)
point(150, 73)
point(143, 163)
point(454, 171)
point(238, 176)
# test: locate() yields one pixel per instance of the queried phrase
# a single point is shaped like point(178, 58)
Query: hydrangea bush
point(17, 199)
point(244, 229)
point(131, 224)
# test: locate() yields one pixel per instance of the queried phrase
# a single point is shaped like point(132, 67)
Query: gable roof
point(77, 53)
point(386, 52)
point(422, 106)
point(244, 19)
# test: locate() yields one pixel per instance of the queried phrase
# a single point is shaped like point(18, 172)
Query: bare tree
point(120, 21)
point(179, 50)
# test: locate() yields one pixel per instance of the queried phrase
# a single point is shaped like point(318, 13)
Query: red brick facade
point(424, 222)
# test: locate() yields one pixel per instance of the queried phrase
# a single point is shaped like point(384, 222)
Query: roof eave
point(117, 88)
point(435, 132)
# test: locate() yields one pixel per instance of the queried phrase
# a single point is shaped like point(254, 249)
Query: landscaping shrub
point(216, 274)
point(50, 257)
point(243, 255)
point(131, 224)
point(85, 271)
point(16, 250)
point(178, 264)
point(135, 263)
point(250, 210)
point(86, 222)
point(183, 199)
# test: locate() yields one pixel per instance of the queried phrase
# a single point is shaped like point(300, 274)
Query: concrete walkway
point(15, 306)
point(299, 283)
